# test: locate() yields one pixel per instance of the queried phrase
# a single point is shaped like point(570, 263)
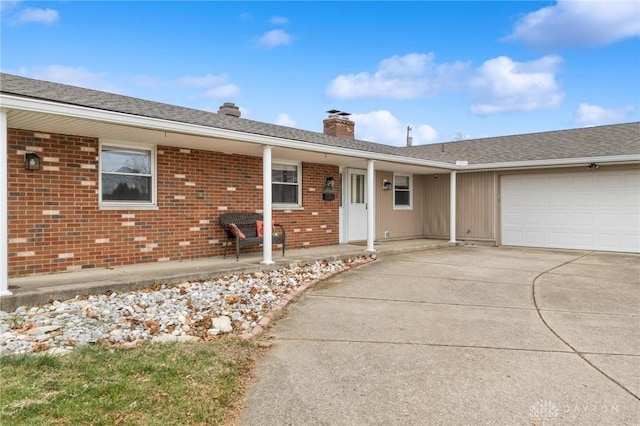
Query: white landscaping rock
point(185, 312)
point(223, 324)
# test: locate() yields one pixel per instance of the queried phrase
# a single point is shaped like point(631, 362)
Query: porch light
point(31, 161)
point(386, 185)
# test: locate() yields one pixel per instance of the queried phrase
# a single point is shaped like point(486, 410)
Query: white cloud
point(578, 23)
point(590, 115)
point(285, 120)
point(382, 127)
point(502, 85)
point(274, 38)
point(398, 77)
point(8, 4)
point(224, 91)
point(213, 86)
point(75, 76)
point(279, 20)
point(32, 14)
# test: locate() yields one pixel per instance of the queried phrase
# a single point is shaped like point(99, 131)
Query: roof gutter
point(618, 159)
point(119, 118)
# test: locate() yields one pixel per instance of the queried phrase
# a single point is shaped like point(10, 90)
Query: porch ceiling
point(41, 122)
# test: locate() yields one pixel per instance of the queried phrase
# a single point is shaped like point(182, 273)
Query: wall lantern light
point(328, 193)
point(31, 161)
point(386, 185)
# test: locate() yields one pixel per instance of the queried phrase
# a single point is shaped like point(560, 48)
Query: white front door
point(356, 205)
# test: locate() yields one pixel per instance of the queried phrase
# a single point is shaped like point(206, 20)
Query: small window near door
point(402, 192)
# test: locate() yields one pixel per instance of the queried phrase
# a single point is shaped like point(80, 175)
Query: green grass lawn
point(159, 384)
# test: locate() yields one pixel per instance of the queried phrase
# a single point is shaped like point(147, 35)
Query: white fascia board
point(559, 162)
point(119, 118)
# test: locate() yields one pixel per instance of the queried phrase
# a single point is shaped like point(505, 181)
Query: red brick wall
point(55, 223)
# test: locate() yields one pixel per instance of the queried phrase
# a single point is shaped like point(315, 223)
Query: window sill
point(286, 207)
point(405, 208)
point(125, 206)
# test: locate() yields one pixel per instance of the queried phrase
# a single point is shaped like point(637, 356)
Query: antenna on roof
point(409, 138)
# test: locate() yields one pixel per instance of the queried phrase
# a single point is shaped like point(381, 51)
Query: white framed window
point(402, 191)
point(127, 176)
point(286, 184)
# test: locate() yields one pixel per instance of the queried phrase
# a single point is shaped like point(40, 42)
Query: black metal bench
point(246, 223)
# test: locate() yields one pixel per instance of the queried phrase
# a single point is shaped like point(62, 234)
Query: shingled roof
point(589, 142)
point(72, 95)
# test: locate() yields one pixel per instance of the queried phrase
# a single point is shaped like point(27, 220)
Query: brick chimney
point(229, 108)
point(339, 125)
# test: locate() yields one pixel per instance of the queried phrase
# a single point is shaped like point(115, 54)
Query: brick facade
point(55, 223)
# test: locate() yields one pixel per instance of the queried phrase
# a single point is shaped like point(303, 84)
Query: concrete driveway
point(464, 335)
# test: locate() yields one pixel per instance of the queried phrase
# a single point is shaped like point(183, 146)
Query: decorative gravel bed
point(188, 311)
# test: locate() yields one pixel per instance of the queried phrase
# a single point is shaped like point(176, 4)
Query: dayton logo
point(543, 410)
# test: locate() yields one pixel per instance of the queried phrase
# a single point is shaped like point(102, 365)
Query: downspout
point(4, 208)
point(452, 208)
point(266, 206)
point(371, 206)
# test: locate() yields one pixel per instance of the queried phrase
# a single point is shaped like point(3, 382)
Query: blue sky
point(450, 69)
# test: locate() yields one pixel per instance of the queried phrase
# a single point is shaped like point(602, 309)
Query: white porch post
point(266, 205)
point(371, 206)
point(452, 208)
point(4, 208)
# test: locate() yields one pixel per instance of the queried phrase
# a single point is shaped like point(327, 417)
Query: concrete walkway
point(460, 336)
point(38, 289)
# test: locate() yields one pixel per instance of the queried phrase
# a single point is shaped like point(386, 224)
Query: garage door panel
point(558, 219)
point(630, 182)
point(556, 239)
point(582, 239)
point(595, 210)
point(580, 199)
point(534, 218)
point(581, 219)
point(559, 201)
point(535, 200)
point(630, 202)
point(628, 222)
point(534, 184)
point(582, 183)
point(607, 199)
point(532, 236)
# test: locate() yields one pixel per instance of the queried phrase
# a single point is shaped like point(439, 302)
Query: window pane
point(126, 188)
point(357, 189)
point(402, 182)
point(284, 193)
point(125, 161)
point(284, 173)
point(402, 198)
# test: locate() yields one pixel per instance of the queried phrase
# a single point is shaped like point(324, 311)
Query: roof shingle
point(611, 140)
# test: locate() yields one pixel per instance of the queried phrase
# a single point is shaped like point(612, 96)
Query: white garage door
point(593, 210)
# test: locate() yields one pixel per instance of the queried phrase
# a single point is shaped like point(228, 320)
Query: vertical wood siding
point(476, 206)
point(399, 223)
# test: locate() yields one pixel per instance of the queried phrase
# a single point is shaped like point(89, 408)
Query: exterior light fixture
point(31, 161)
point(593, 166)
point(328, 193)
point(386, 185)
